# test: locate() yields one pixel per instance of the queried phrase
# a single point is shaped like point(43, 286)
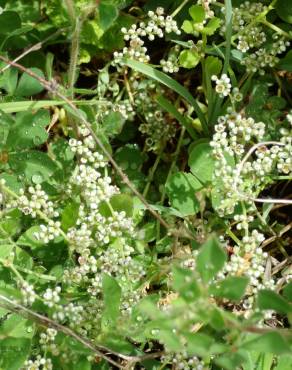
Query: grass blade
point(170, 108)
point(170, 83)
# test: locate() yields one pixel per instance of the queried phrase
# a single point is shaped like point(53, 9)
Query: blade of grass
point(164, 79)
point(171, 109)
point(20, 106)
point(228, 35)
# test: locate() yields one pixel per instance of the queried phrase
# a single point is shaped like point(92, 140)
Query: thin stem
point(97, 349)
point(179, 8)
point(74, 54)
point(151, 174)
point(276, 29)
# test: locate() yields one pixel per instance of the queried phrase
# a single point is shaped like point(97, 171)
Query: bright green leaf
point(197, 13)
point(189, 58)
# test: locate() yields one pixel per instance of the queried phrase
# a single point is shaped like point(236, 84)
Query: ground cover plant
point(145, 171)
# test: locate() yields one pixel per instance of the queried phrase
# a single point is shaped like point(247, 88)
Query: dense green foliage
point(145, 165)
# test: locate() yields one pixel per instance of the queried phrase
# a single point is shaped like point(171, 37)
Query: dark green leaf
point(181, 188)
point(9, 21)
point(28, 85)
point(284, 10)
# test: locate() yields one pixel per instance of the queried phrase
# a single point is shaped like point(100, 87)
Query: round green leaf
point(284, 10)
point(9, 21)
point(181, 189)
point(202, 163)
point(197, 12)
point(189, 58)
point(28, 85)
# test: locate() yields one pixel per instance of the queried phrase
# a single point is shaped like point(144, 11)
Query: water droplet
point(37, 178)
point(154, 331)
point(29, 329)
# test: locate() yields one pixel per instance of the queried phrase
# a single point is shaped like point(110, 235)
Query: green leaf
point(211, 259)
point(185, 284)
point(112, 297)
point(213, 66)
point(14, 352)
point(188, 27)
point(284, 10)
point(28, 130)
point(284, 362)
point(33, 163)
point(83, 364)
point(8, 79)
point(171, 84)
point(181, 188)
point(269, 300)
point(5, 250)
point(122, 202)
point(271, 342)
point(212, 26)
point(197, 13)
point(70, 215)
point(16, 326)
point(9, 21)
point(28, 85)
point(202, 163)
point(232, 288)
point(113, 123)
point(28, 239)
point(286, 62)
point(198, 344)
point(287, 291)
point(189, 58)
point(108, 13)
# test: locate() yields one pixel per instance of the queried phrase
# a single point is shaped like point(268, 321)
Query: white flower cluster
point(46, 341)
point(206, 5)
point(52, 296)
point(37, 200)
point(232, 134)
point(261, 58)
point(93, 187)
point(252, 37)
point(223, 85)
point(71, 312)
point(28, 293)
point(170, 65)
point(48, 232)
point(183, 361)
point(154, 27)
point(40, 363)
